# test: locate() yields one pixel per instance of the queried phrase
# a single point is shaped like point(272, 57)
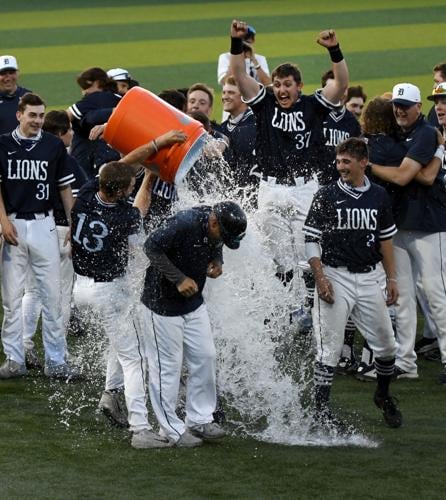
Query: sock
point(384, 372)
point(349, 339)
point(323, 379)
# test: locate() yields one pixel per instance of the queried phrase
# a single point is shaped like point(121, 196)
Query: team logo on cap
point(400, 91)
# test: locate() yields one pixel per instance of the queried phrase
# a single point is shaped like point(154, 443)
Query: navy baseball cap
point(232, 221)
point(251, 33)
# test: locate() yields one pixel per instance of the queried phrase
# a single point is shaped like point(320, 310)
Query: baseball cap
point(232, 221)
point(438, 91)
point(119, 74)
point(8, 62)
point(405, 94)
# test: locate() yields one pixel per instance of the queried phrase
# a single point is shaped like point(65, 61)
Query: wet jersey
point(290, 142)
point(32, 171)
point(349, 224)
point(100, 232)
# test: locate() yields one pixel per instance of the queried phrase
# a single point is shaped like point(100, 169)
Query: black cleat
point(392, 415)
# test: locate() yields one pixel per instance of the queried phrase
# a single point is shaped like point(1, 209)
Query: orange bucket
point(140, 117)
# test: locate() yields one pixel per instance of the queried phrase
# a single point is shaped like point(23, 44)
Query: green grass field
point(47, 454)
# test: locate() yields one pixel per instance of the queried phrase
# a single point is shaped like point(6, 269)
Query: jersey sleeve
point(223, 66)
point(258, 101)
point(80, 108)
point(322, 105)
point(422, 145)
point(387, 227)
point(314, 223)
point(64, 170)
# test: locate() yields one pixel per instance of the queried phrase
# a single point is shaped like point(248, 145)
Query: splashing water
point(264, 363)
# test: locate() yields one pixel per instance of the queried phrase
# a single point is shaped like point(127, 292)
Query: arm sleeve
point(386, 224)
point(423, 145)
point(313, 225)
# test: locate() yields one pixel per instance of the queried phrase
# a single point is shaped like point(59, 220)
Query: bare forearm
point(66, 196)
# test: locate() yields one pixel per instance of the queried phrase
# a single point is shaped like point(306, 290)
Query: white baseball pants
point(32, 304)
point(420, 260)
point(171, 337)
point(38, 248)
point(361, 296)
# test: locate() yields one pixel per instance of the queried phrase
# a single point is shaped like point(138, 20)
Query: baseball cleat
point(188, 440)
point(391, 413)
point(148, 439)
point(62, 372)
point(365, 372)
point(347, 366)
point(425, 345)
point(208, 432)
point(402, 374)
point(12, 369)
point(32, 361)
point(110, 405)
point(442, 377)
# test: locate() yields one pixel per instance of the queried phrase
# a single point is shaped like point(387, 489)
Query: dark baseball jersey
point(8, 109)
point(100, 232)
point(339, 126)
point(432, 117)
point(240, 153)
point(420, 207)
point(80, 178)
point(349, 224)
point(184, 240)
point(32, 171)
point(290, 142)
point(82, 148)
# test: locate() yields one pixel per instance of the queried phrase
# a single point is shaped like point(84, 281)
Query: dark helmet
point(232, 221)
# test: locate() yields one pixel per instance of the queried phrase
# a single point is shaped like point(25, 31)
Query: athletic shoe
point(391, 413)
point(442, 377)
point(433, 355)
point(365, 372)
point(63, 371)
point(208, 431)
point(12, 369)
point(111, 407)
point(347, 366)
point(188, 440)
point(425, 345)
point(148, 439)
point(402, 374)
point(31, 360)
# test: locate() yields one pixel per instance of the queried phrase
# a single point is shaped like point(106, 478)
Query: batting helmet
point(232, 221)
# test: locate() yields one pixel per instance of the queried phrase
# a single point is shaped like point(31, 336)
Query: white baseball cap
point(8, 62)
point(406, 94)
point(119, 74)
point(439, 91)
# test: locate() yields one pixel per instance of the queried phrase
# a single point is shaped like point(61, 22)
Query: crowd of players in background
point(271, 136)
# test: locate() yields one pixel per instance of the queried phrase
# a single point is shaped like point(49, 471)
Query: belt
point(363, 269)
point(31, 215)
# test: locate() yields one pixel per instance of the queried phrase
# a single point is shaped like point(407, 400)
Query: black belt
point(31, 215)
point(363, 269)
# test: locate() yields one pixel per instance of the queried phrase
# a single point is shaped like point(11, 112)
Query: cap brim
point(9, 67)
point(232, 244)
point(433, 97)
point(403, 102)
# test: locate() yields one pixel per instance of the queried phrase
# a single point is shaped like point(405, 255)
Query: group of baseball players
point(351, 204)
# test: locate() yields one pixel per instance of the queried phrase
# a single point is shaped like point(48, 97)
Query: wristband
point(236, 45)
point(257, 67)
point(391, 279)
point(440, 152)
point(155, 146)
point(335, 53)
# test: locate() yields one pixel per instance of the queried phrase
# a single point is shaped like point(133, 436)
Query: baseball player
point(58, 124)
point(348, 232)
point(182, 253)
point(33, 168)
point(289, 144)
point(104, 227)
point(124, 80)
point(420, 215)
point(10, 93)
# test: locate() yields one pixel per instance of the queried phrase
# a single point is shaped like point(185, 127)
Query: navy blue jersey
point(8, 109)
point(99, 235)
point(184, 240)
point(164, 194)
point(432, 117)
point(32, 171)
point(420, 207)
point(84, 150)
point(240, 154)
point(339, 126)
point(80, 178)
point(290, 142)
point(349, 224)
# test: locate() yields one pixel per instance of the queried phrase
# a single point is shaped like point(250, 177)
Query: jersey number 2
point(93, 242)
